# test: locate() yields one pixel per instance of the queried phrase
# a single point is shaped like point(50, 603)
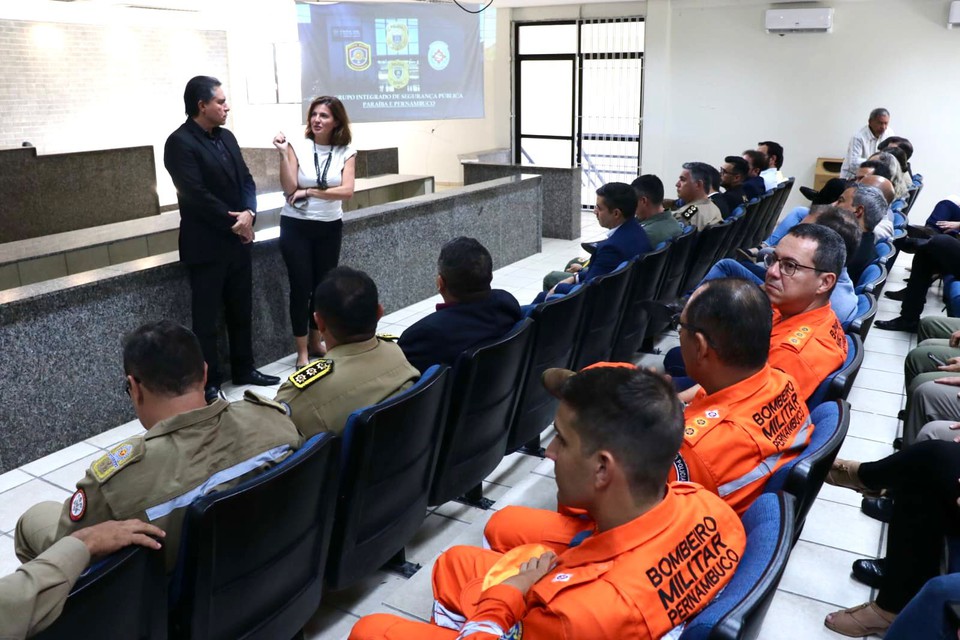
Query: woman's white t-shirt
point(318, 208)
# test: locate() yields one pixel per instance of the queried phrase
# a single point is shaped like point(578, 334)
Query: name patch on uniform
point(562, 577)
point(309, 374)
point(78, 505)
point(680, 466)
point(115, 459)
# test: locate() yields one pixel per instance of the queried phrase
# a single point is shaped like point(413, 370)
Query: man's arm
point(182, 165)
point(854, 157)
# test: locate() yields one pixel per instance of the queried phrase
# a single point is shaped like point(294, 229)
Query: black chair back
point(603, 308)
point(387, 463)
point(780, 196)
point(709, 243)
point(483, 398)
point(677, 260)
point(252, 557)
point(556, 325)
point(752, 221)
point(123, 597)
point(647, 274)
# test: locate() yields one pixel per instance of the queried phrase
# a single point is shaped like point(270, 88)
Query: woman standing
point(316, 174)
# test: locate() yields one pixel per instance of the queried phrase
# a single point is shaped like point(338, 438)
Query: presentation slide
point(387, 62)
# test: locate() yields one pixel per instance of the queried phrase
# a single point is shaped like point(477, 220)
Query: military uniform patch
point(690, 211)
point(515, 632)
point(700, 422)
point(712, 413)
point(104, 467)
point(388, 337)
point(256, 398)
point(78, 505)
point(309, 374)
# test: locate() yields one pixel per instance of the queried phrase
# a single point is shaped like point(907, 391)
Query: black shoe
point(869, 571)
point(896, 295)
point(880, 509)
point(256, 378)
point(909, 245)
point(898, 324)
point(897, 443)
point(212, 392)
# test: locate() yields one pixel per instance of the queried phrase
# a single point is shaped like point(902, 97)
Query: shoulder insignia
point(798, 337)
point(303, 378)
point(700, 421)
point(78, 505)
point(690, 211)
point(256, 398)
point(120, 456)
point(388, 337)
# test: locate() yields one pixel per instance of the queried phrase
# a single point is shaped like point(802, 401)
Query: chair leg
point(533, 448)
point(398, 564)
point(474, 498)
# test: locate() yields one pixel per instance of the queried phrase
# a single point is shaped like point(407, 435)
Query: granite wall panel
point(264, 165)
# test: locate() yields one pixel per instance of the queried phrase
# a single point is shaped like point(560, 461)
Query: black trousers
point(924, 477)
point(225, 284)
point(310, 249)
point(941, 254)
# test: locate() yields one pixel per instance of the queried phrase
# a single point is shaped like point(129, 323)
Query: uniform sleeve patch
point(118, 457)
point(78, 505)
point(309, 374)
point(690, 212)
point(388, 337)
point(256, 398)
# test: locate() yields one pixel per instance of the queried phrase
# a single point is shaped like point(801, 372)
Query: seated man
point(864, 142)
point(618, 431)
point(359, 369)
point(733, 172)
point(32, 597)
point(471, 312)
point(190, 448)
point(754, 186)
point(868, 204)
point(693, 185)
point(716, 197)
point(615, 210)
point(772, 176)
point(657, 223)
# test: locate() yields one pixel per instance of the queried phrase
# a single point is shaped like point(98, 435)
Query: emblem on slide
point(358, 56)
point(397, 37)
point(438, 55)
point(398, 73)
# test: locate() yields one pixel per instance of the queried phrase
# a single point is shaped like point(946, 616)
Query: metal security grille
point(579, 98)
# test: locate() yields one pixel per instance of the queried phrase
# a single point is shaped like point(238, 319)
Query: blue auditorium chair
point(644, 282)
point(866, 312)
point(606, 298)
point(386, 466)
point(122, 597)
point(252, 557)
point(803, 476)
point(556, 325)
point(872, 280)
point(485, 386)
point(737, 612)
point(951, 295)
point(838, 384)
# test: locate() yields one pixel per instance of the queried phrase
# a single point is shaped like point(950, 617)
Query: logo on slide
point(358, 56)
point(438, 55)
point(397, 38)
point(398, 73)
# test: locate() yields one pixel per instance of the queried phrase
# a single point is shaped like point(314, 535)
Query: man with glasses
point(733, 172)
point(190, 448)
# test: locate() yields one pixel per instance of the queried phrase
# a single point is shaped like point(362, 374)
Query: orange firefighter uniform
point(809, 346)
point(636, 581)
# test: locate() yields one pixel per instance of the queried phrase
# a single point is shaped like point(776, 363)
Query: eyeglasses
point(788, 267)
point(676, 323)
point(126, 384)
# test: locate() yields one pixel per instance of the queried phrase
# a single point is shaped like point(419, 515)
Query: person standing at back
point(864, 142)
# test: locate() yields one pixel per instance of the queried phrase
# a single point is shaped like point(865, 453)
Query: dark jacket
point(735, 197)
point(446, 333)
point(722, 204)
point(865, 254)
point(754, 187)
point(207, 188)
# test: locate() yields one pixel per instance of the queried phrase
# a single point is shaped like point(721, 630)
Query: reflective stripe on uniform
point(443, 617)
point(224, 475)
point(766, 465)
point(480, 627)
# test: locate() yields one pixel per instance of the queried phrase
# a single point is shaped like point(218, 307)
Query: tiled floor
point(816, 581)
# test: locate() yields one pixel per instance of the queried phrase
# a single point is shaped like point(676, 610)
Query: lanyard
point(321, 178)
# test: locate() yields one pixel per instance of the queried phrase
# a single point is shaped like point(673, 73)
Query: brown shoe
point(843, 473)
point(863, 620)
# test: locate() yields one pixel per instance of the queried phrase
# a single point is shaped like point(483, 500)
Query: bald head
point(885, 186)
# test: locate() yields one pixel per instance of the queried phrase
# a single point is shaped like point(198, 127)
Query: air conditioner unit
point(954, 18)
point(800, 20)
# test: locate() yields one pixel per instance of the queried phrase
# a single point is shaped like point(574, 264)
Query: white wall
point(730, 84)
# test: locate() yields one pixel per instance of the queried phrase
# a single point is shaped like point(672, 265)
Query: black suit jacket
point(207, 188)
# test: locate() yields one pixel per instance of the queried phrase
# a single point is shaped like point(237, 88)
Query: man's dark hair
point(844, 223)
point(831, 253)
point(900, 155)
point(199, 89)
point(773, 149)
point(714, 178)
point(632, 413)
point(735, 317)
point(701, 172)
point(165, 357)
point(619, 195)
point(740, 166)
point(879, 168)
point(899, 142)
point(347, 300)
point(650, 187)
point(757, 159)
point(466, 268)
point(879, 112)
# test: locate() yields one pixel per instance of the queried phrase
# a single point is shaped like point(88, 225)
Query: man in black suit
point(218, 205)
point(471, 311)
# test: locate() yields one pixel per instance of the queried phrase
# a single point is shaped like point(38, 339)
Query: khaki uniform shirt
point(154, 476)
point(322, 395)
point(32, 597)
point(700, 214)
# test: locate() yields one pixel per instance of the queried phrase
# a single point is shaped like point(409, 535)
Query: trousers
point(310, 249)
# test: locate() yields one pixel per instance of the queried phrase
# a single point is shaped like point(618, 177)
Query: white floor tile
point(793, 617)
point(329, 623)
point(66, 477)
point(873, 427)
point(864, 450)
point(17, 500)
point(878, 342)
point(366, 596)
point(116, 435)
point(881, 361)
point(13, 478)
point(843, 527)
point(59, 459)
point(823, 573)
point(433, 537)
point(888, 381)
point(8, 559)
point(886, 404)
